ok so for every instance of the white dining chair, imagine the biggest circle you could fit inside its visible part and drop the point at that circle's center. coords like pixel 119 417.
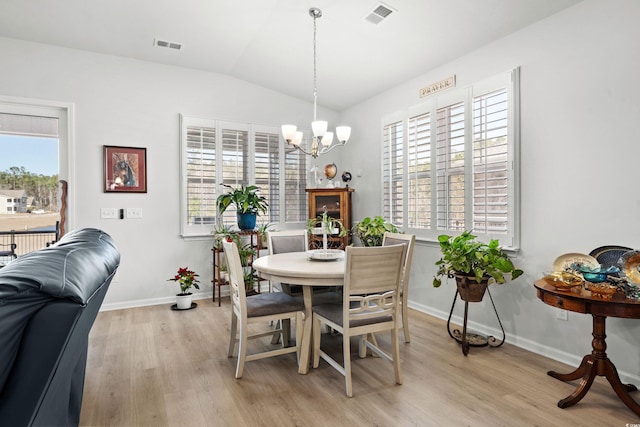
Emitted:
pixel 409 240
pixel 370 305
pixel 263 308
pixel 285 241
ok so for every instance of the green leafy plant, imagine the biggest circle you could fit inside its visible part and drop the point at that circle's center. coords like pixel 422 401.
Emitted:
pixel 463 255
pixel 221 233
pixel 371 231
pixel 246 200
pixel 327 223
pixel 186 278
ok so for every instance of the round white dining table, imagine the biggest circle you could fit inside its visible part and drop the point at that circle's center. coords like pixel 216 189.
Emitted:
pixel 297 269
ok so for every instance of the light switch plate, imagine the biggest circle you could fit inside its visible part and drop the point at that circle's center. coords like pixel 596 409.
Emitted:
pixel 108 213
pixel 134 213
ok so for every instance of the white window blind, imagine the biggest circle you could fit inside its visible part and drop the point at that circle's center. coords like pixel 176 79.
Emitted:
pixel 490 162
pixel 200 174
pixel 456 166
pixel 450 166
pixel 235 172
pixel 214 152
pixel 267 169
pixel 393 172
pixel 419 172
pixel 295 200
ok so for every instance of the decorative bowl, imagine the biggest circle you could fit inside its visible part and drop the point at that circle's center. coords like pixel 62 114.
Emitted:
pixel 563 280
pixel 596 274
pixel 602 290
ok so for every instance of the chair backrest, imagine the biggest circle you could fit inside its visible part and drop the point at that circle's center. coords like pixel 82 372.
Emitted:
pixel 285 241
pixel 409 240
pixel 236 278
pixel 372 281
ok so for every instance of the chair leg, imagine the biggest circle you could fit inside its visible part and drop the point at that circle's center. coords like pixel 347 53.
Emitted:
pixel 405 322
pixel 276 335
pixel 242 351
pixel 298 335
pixel 316 341
pixel 286 332
pixel 396 355
pixel 346 348
pixel 233 333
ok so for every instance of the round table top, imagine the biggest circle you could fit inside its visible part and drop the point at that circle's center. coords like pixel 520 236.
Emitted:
pixel 296 268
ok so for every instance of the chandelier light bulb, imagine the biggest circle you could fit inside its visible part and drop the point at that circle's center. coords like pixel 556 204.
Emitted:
pixel 289 132
pixel 343 133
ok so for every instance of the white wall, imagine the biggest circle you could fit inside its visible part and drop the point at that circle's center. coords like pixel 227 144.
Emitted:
pixel 119 101
pixel 580 152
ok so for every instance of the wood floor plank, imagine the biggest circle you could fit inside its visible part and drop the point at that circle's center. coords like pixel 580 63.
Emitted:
pixel 152 366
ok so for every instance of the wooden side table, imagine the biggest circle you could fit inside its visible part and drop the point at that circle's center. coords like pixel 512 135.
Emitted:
pixel 596 363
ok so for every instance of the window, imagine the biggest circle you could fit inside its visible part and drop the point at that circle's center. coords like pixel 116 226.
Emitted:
pixel 216 152
pixel 455 166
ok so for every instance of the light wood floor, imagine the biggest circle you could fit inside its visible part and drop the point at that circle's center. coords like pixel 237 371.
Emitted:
pixel 152 366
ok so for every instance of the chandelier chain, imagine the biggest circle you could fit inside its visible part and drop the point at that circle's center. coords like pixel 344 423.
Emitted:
pixel 315 73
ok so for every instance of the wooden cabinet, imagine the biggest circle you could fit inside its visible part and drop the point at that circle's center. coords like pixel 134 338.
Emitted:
pixel 338 204
pixel 253 238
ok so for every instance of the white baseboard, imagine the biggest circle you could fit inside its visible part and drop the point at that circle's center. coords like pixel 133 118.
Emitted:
pixel 526 344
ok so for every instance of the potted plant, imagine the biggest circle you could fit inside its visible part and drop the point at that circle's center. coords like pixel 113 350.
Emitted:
pixel 326 226
pixel 248 204
pixel 473 264
pixel 220 233
pixel 371 231
pixel 187 278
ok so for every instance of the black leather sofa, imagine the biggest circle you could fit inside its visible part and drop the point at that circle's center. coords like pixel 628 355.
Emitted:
pixel 49 300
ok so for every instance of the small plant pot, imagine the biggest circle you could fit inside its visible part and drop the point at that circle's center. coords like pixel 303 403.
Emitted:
pixel 183 302
pixel 246 221
pixel 470 290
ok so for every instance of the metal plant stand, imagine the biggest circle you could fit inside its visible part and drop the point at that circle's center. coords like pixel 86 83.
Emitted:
pixel 472 339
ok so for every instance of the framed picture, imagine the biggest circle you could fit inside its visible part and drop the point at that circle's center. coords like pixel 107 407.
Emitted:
pixel 125 169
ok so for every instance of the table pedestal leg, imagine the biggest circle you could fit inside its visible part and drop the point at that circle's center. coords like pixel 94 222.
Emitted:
pixel 305 345
pixel 596 363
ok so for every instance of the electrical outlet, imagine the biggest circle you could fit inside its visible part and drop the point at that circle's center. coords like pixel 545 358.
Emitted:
pixel 108 213
pixel 134 213
pixel 562 314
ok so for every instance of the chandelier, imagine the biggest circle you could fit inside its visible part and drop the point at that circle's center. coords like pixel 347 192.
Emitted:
pixel 321 141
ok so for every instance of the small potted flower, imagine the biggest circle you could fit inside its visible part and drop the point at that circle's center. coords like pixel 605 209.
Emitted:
pixel 187 279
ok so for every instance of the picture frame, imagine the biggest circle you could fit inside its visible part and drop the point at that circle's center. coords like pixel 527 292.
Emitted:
pixel 125 169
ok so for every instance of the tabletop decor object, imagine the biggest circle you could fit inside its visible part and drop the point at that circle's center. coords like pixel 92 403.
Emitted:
pixel 186 278
pixel 563 280
pixel 346 178
pixel 573 260
pixel 248 204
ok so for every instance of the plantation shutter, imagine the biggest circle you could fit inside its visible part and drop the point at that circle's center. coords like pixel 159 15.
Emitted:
pixel 490 162
pixel 450 166
pixel 267 169
pixel 419 171
pixel 200 174
pixel 235 141
pixel 295 183
pixel 392 172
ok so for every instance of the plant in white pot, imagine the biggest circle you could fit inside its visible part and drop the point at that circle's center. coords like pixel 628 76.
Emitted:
pixel 186 278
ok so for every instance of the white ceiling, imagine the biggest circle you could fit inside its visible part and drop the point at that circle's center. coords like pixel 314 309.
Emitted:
pixel 270 42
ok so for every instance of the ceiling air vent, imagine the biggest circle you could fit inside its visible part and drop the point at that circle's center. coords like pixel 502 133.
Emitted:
pixel 170 45
pixel 378 14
